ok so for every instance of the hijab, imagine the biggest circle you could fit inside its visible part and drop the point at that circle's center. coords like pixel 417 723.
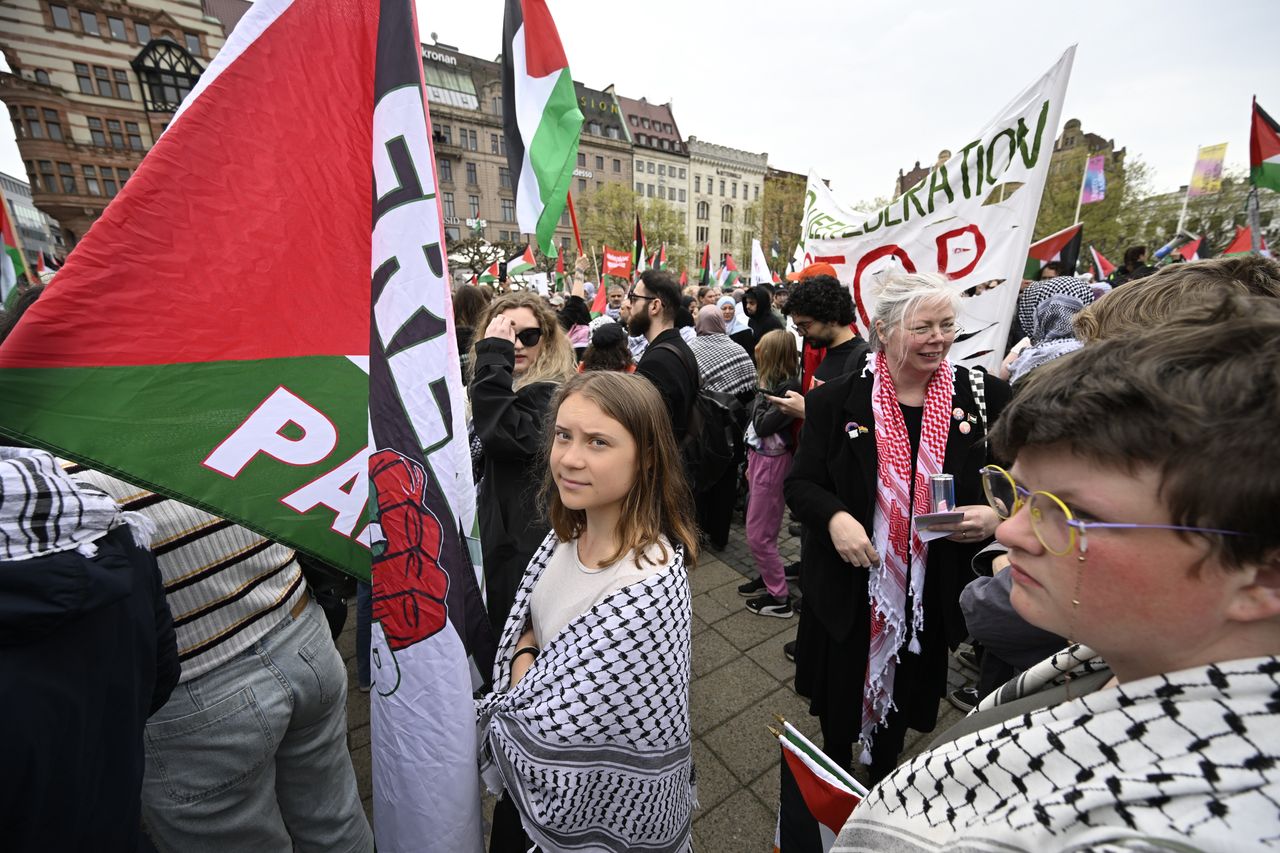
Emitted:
pixel 710 321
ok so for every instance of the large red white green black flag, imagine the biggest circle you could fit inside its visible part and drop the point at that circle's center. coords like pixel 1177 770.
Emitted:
pixel 260 324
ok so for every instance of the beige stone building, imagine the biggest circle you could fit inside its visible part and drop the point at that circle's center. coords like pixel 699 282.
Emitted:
pixel 727 186
pixel 93 84
pixel 661 155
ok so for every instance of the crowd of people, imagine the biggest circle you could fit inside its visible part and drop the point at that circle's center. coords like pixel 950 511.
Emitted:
pixel 1095 518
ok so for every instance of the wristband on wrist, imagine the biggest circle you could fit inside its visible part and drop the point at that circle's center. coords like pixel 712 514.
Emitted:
pixel 526 650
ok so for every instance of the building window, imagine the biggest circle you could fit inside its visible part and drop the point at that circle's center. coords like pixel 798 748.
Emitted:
pixel 109 182
pixel 599 162
pixel 116 27
pixel 34 130
pixel 446 170
pixel 122 85
pixel 91 180
pixel 644 122
pixel 471 174
pixel 682 198
pixel 582 160
pixel 95 131
pixel 641 138
pixel 612 132
pixel 452 234
pixel 473 140
pixel 68 176
pixel 124 175
pixel 508 210
pixel 103 78
pixel 497 106
pixel 682 173
pixel 582 185
pixel 726 213
pixel 114 133
pixel 61 19
pixel 446 134
pixel 504 177
pixel 143 31
pixel 448 205
pixel 89 23
pixel 617 165
pixel 53 124
pixel 473 202
pixel 83 78
pixel 564 217
pixel 749 216
pixel 47 178
pixel 704 211
pixel 662 170
pixel 722 188
pixel 634 121
pixel 42 76
pixel 639 188
pixel 666 145
pixel 649 167
pixel 493 143
pixel 648 190
pixel 168 75
pixel 757 198
pixel 735 189
pixel 726 236
pixel 135 135
pixel 193 43
pixel 593 128
pixel 639 165
pixel 697 183
pixel 703 232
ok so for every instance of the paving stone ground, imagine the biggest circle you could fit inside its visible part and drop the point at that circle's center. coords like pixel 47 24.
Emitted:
pixel 740 680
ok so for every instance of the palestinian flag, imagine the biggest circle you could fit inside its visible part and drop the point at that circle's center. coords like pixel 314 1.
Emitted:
pixel 1102 268
pixel 522 262
pixel 213 340
pixel 1243 242
pixel 560 276
pixel 658 260
pixel 816 798
pixel 705 279
pixel 728 273
pixel 490 274
pixel 540 116
pixel 1264 150
pixel 1190 251
pixel 12 267
pixel 1063 248
pixel 637 248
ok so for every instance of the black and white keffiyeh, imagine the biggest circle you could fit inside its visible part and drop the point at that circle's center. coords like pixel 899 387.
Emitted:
pixel 1187 761
pixel 594 744
pixel 43 511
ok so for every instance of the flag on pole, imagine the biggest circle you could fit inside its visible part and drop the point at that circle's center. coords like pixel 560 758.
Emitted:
pixel 759 266
pixel 522 262
pixel 684 277
pixel 816 796
pixel 560 276
pixel 1206 179
pixel 1095 180
pixel 659 259
pixel 728 272
pixel 1102 268
pixel 637 248
pixel 1190 251
pixel 1242 242
pixel 12 267
pixel 321 404
pixel 616 262
pixel 1062 247
pixel 1264 150
pixel 540 117
pixel 705 279
pixel 490 274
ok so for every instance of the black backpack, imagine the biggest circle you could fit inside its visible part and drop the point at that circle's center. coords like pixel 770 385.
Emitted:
pixel 713 433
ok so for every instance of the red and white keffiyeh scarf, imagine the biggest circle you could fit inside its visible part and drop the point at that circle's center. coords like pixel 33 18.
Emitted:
pixel 893 535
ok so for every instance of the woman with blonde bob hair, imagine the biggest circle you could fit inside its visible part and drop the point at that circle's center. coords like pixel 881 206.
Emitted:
pixel 882 603
pixel 517 365
pixel 587 729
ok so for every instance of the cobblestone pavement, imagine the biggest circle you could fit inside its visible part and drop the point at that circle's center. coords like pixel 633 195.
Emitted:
pixel 740 680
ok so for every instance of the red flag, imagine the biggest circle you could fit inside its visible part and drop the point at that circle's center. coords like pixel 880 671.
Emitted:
pixel 617 263
pixel 684 277
pixel 1102 267
pixel 1243 242
pixel 598 304
pixel 1191 251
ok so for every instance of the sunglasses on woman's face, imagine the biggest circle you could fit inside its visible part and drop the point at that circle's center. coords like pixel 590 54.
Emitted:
pixel 530 337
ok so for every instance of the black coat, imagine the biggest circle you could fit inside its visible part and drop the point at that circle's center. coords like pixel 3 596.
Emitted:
pixel 674 374
pixel 511 425
pixel 87 653
pixel 833 472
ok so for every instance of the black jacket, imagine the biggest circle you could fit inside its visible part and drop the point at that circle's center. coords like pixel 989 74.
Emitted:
pixel 763 320
pixel 87 653
pixel 833 472
pixel 669 373
pixel 510 425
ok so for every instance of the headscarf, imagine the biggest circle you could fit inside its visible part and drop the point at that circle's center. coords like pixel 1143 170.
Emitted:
pixel 710 321
pixel 738 323
pixel 764 320
pixel 1053 333
pixel 1039 291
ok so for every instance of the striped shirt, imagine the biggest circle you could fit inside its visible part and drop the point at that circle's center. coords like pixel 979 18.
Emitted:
pixel 226 585
pixel 723 365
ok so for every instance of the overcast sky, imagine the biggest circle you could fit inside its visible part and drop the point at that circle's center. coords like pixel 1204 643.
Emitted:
pixel 859 90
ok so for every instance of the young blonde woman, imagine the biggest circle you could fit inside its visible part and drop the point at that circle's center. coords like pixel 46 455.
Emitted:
pixel 770 446
pixel 587 729
pixel 517 365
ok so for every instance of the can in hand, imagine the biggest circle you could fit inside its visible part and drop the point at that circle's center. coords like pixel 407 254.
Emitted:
pixel 942 492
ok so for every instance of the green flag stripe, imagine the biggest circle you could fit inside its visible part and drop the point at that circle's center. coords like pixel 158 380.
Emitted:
pixel 553 153
pixel 158 423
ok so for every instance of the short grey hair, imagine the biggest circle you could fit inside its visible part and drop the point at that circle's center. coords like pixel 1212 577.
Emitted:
pixel 901 295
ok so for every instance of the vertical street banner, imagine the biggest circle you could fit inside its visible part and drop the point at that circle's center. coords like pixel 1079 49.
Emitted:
pixel 260 325
pixel 971 219
pixel 1095 180
pixel 1206 178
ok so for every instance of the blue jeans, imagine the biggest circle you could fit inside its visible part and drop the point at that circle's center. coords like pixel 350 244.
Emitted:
pixel 253 755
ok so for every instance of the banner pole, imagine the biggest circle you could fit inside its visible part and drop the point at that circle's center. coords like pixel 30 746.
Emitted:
pixel 1182 217
pixel 1080 195
pixel 573 217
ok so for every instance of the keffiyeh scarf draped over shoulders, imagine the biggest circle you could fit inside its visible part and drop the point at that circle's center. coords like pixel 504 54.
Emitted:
pixel 1053 335
pixel 594 744
pixel 1184 761
pixel 43 511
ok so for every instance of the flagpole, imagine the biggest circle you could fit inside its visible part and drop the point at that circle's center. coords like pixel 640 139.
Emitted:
pixel 1255 225
pixel 1080 195
pixel 573 217
pixel 1182 217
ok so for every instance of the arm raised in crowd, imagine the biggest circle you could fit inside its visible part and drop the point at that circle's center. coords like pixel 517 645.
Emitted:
pixel 509 423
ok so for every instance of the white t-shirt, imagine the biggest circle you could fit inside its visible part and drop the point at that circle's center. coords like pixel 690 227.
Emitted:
pixel 567 588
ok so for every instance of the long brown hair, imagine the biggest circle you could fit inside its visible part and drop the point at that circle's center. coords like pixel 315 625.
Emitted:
pixel 776 358
pixel 659 502
pixel 556 361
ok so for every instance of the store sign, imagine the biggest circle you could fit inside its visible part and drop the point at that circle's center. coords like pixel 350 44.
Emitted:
pixel 583 173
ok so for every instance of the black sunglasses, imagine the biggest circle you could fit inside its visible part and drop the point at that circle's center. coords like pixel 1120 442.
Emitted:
pixel 530 337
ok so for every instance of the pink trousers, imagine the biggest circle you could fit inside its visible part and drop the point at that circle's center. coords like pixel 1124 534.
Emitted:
pixel 765 475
